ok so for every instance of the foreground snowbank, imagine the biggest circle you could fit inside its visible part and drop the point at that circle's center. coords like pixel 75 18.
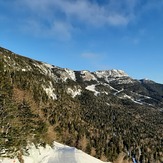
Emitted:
pixel 58 154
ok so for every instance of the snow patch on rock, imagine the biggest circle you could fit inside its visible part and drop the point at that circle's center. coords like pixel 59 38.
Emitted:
pixel 43 69
pixel 111 73
pixel 74 92
pixel 132 99
pixel 50 91
pixel 24 70
pixel 92 89
pixel 48 65
pixel 88 76
pixel 71 74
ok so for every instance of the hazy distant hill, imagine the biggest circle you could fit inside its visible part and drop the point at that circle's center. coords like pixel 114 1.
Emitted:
pixel 103 113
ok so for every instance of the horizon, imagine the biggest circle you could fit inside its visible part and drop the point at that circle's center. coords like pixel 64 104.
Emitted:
pixel 87 35
pixel 81 69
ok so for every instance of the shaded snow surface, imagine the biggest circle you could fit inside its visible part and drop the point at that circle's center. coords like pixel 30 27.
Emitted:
pixel 58 154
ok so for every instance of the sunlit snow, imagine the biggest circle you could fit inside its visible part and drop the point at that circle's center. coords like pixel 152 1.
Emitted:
pixel 58 154
pixel 88 76
pixel 74 92
pixel 71 74
pixel 50 91
pixel 92 89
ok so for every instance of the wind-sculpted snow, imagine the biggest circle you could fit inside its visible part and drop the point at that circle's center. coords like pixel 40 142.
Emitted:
pixel 58 154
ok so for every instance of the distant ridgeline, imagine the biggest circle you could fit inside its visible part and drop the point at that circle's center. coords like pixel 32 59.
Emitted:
pixel 103 113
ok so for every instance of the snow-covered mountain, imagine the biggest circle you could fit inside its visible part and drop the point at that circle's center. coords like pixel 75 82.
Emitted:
pixel 103 113
pixel 59 153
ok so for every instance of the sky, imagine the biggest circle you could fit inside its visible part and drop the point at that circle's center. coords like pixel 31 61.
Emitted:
pixel 87 34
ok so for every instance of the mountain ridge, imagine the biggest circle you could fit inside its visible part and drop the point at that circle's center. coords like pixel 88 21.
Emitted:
pixel 110 72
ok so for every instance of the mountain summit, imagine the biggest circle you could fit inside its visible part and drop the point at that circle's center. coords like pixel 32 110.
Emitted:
pixel 103 113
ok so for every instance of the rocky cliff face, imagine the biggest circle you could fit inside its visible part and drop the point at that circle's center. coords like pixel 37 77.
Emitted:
pixel 104 113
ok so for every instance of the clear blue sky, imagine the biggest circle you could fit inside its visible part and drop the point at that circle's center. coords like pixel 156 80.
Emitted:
pixel 87 34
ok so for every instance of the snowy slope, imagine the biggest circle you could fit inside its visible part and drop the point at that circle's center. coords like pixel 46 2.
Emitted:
pixel 58 154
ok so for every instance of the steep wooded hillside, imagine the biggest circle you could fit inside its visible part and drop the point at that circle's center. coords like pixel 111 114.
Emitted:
pixel 103 113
